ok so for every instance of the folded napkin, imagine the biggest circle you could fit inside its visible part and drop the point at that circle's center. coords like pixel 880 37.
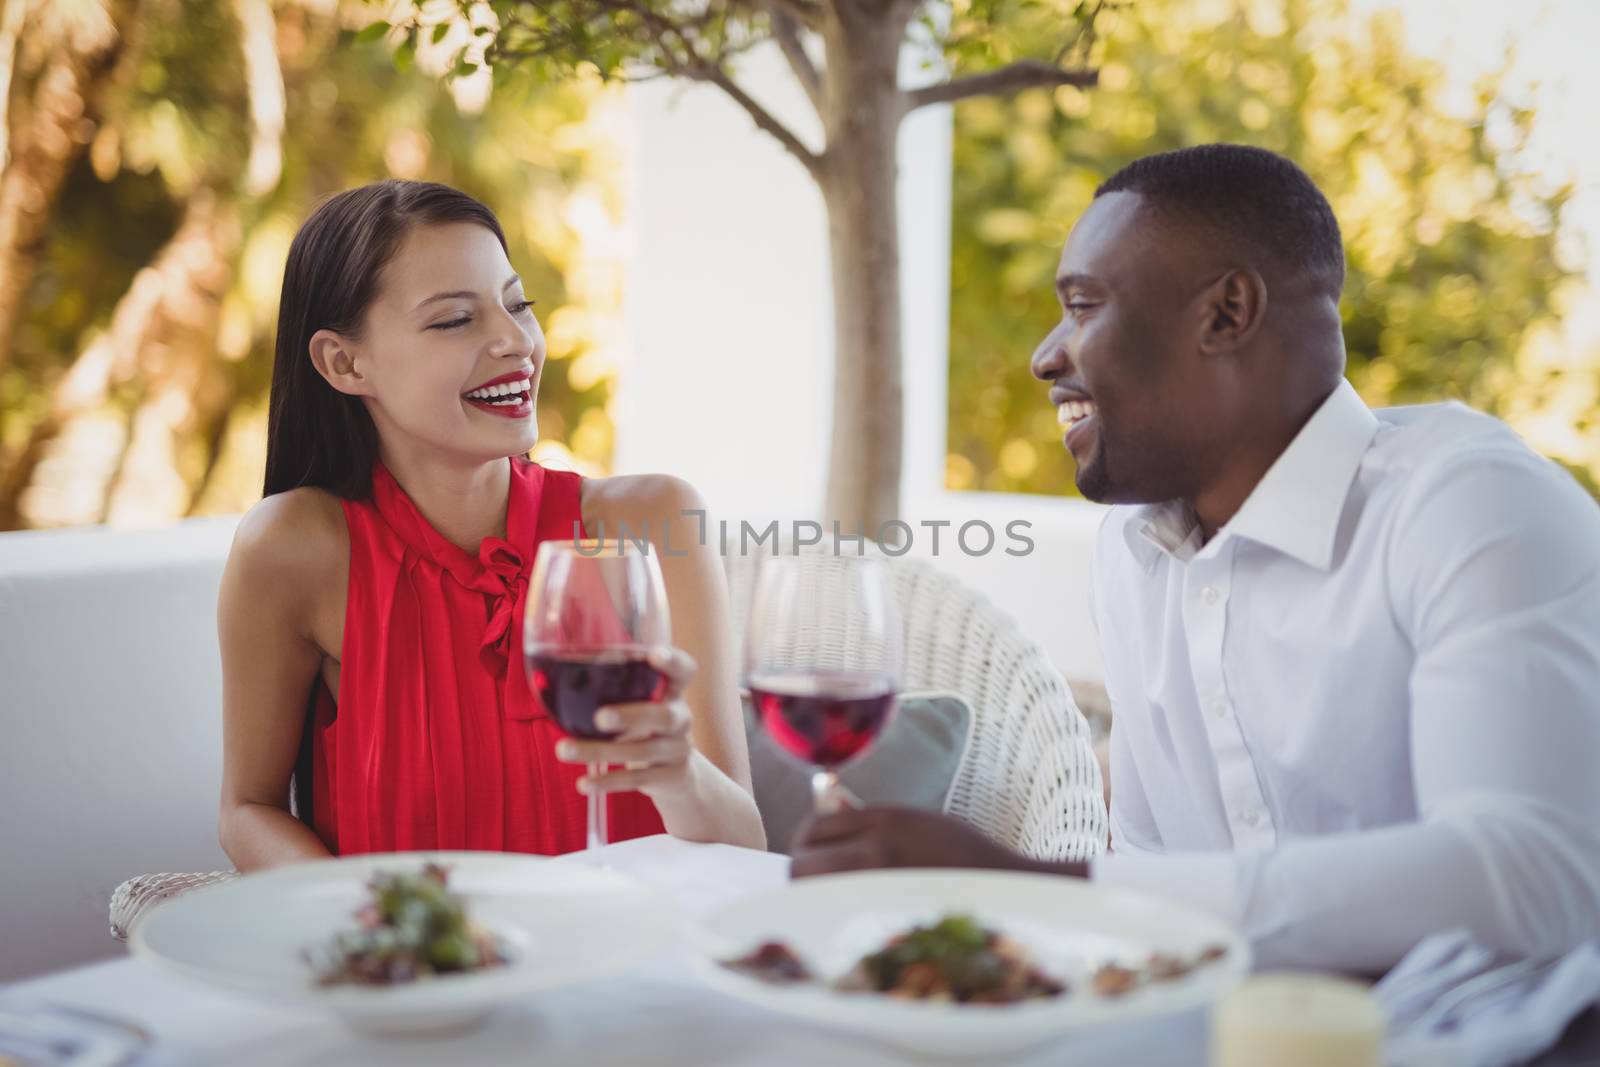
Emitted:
pixel 1454 1003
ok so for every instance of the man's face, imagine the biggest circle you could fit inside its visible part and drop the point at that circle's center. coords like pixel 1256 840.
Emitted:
pixel 1123 364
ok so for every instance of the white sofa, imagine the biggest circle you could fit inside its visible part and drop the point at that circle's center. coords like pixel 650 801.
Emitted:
pixel 111 759
pixel 109 696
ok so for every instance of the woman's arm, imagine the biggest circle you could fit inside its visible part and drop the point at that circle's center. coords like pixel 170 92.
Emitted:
pixel 284 552
pixel 702 790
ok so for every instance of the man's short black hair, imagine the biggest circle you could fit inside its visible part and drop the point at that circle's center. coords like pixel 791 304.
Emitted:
pixel 1249 195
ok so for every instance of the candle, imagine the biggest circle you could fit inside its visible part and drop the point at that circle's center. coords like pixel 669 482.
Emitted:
pixel 1303 1020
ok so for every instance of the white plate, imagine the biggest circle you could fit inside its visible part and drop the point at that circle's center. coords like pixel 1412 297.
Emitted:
pixel 567 921
pixel 1069 927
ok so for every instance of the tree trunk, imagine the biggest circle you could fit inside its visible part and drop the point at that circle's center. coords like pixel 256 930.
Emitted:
pixel 47 133
pixel 862 109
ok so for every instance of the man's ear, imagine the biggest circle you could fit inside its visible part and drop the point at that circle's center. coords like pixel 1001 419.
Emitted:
pixel 1233 309
pixel 332 356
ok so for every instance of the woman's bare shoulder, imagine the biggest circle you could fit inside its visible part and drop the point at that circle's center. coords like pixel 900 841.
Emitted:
pixel 634 497
pixel 297 536
pixel 659 508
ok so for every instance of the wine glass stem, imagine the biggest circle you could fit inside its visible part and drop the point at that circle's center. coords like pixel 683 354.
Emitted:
pixel 598 836
pixel 825 791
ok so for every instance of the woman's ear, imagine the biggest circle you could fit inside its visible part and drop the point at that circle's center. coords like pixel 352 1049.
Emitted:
pixel 331 354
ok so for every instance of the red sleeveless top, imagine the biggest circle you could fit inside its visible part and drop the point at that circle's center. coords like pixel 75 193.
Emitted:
pixel 436 741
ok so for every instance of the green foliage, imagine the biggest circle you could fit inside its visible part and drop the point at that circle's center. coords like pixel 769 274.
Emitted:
pixel 1451 251
pixel 620 38
pixel 552 41
pixel 181 116
pixel 982 34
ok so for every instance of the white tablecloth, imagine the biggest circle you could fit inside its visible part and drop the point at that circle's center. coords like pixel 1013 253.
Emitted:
pixel 656 1014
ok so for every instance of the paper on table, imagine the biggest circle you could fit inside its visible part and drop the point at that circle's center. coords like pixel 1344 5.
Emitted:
pixel 39 1034
pixel 1452 1003
pixel 699 878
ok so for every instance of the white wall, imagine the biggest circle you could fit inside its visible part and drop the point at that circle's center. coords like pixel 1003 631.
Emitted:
pixel 728 378
pixel 729 367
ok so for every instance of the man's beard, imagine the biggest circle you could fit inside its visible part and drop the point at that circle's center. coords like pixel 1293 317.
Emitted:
pixel 1094 483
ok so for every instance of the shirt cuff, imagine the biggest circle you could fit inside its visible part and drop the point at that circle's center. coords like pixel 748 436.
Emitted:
pixel 1207 881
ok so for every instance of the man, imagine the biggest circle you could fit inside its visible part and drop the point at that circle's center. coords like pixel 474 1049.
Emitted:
pixel 1353 656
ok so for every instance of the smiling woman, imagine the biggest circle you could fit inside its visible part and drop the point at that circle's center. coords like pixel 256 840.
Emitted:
pixel 372 600
pixel 399 352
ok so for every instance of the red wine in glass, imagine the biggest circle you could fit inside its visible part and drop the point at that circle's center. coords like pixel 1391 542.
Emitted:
pixel 825 719
pixel 573 685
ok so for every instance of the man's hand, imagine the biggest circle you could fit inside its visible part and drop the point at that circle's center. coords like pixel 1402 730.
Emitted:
pixel 903 837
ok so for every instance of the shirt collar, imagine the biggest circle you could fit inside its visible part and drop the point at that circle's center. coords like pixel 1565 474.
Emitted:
pixel 1295 508
pixel 1169 528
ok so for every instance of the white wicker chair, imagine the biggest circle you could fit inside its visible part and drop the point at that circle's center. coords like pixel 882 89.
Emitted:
pixel 1029 778
pixel 131 899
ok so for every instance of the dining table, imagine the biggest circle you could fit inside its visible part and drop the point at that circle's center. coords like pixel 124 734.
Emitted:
pixel 657 1014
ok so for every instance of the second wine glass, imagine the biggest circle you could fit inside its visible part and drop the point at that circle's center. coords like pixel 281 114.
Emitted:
pixel 823 661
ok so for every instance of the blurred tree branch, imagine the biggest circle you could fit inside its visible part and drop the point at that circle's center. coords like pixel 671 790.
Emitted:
pixel 786 29
pixel 1027 74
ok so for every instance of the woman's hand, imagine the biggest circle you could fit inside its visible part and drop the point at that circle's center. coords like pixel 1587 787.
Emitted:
pixel 652 741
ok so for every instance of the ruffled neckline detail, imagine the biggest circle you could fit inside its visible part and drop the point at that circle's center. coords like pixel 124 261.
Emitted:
pixel 501 566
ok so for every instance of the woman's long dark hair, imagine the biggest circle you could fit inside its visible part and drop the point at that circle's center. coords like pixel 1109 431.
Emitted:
pixel 317 435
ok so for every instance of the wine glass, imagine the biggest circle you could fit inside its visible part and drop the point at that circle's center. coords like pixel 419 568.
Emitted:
pixel 596 610
pixel 823 713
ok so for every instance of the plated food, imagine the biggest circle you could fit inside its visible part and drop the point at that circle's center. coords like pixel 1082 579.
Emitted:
pixel 1080 957
pixel 953 959
pixel 412 927
pixel 958 959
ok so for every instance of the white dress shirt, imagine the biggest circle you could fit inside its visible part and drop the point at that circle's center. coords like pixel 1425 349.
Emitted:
pixel 1368 709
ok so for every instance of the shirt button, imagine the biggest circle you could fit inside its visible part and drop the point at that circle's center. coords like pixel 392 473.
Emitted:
pixel 1209 594
pixel 1219 708
pixel 1251 817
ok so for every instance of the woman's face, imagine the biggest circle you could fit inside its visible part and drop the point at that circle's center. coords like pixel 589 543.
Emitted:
pixel 451 353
